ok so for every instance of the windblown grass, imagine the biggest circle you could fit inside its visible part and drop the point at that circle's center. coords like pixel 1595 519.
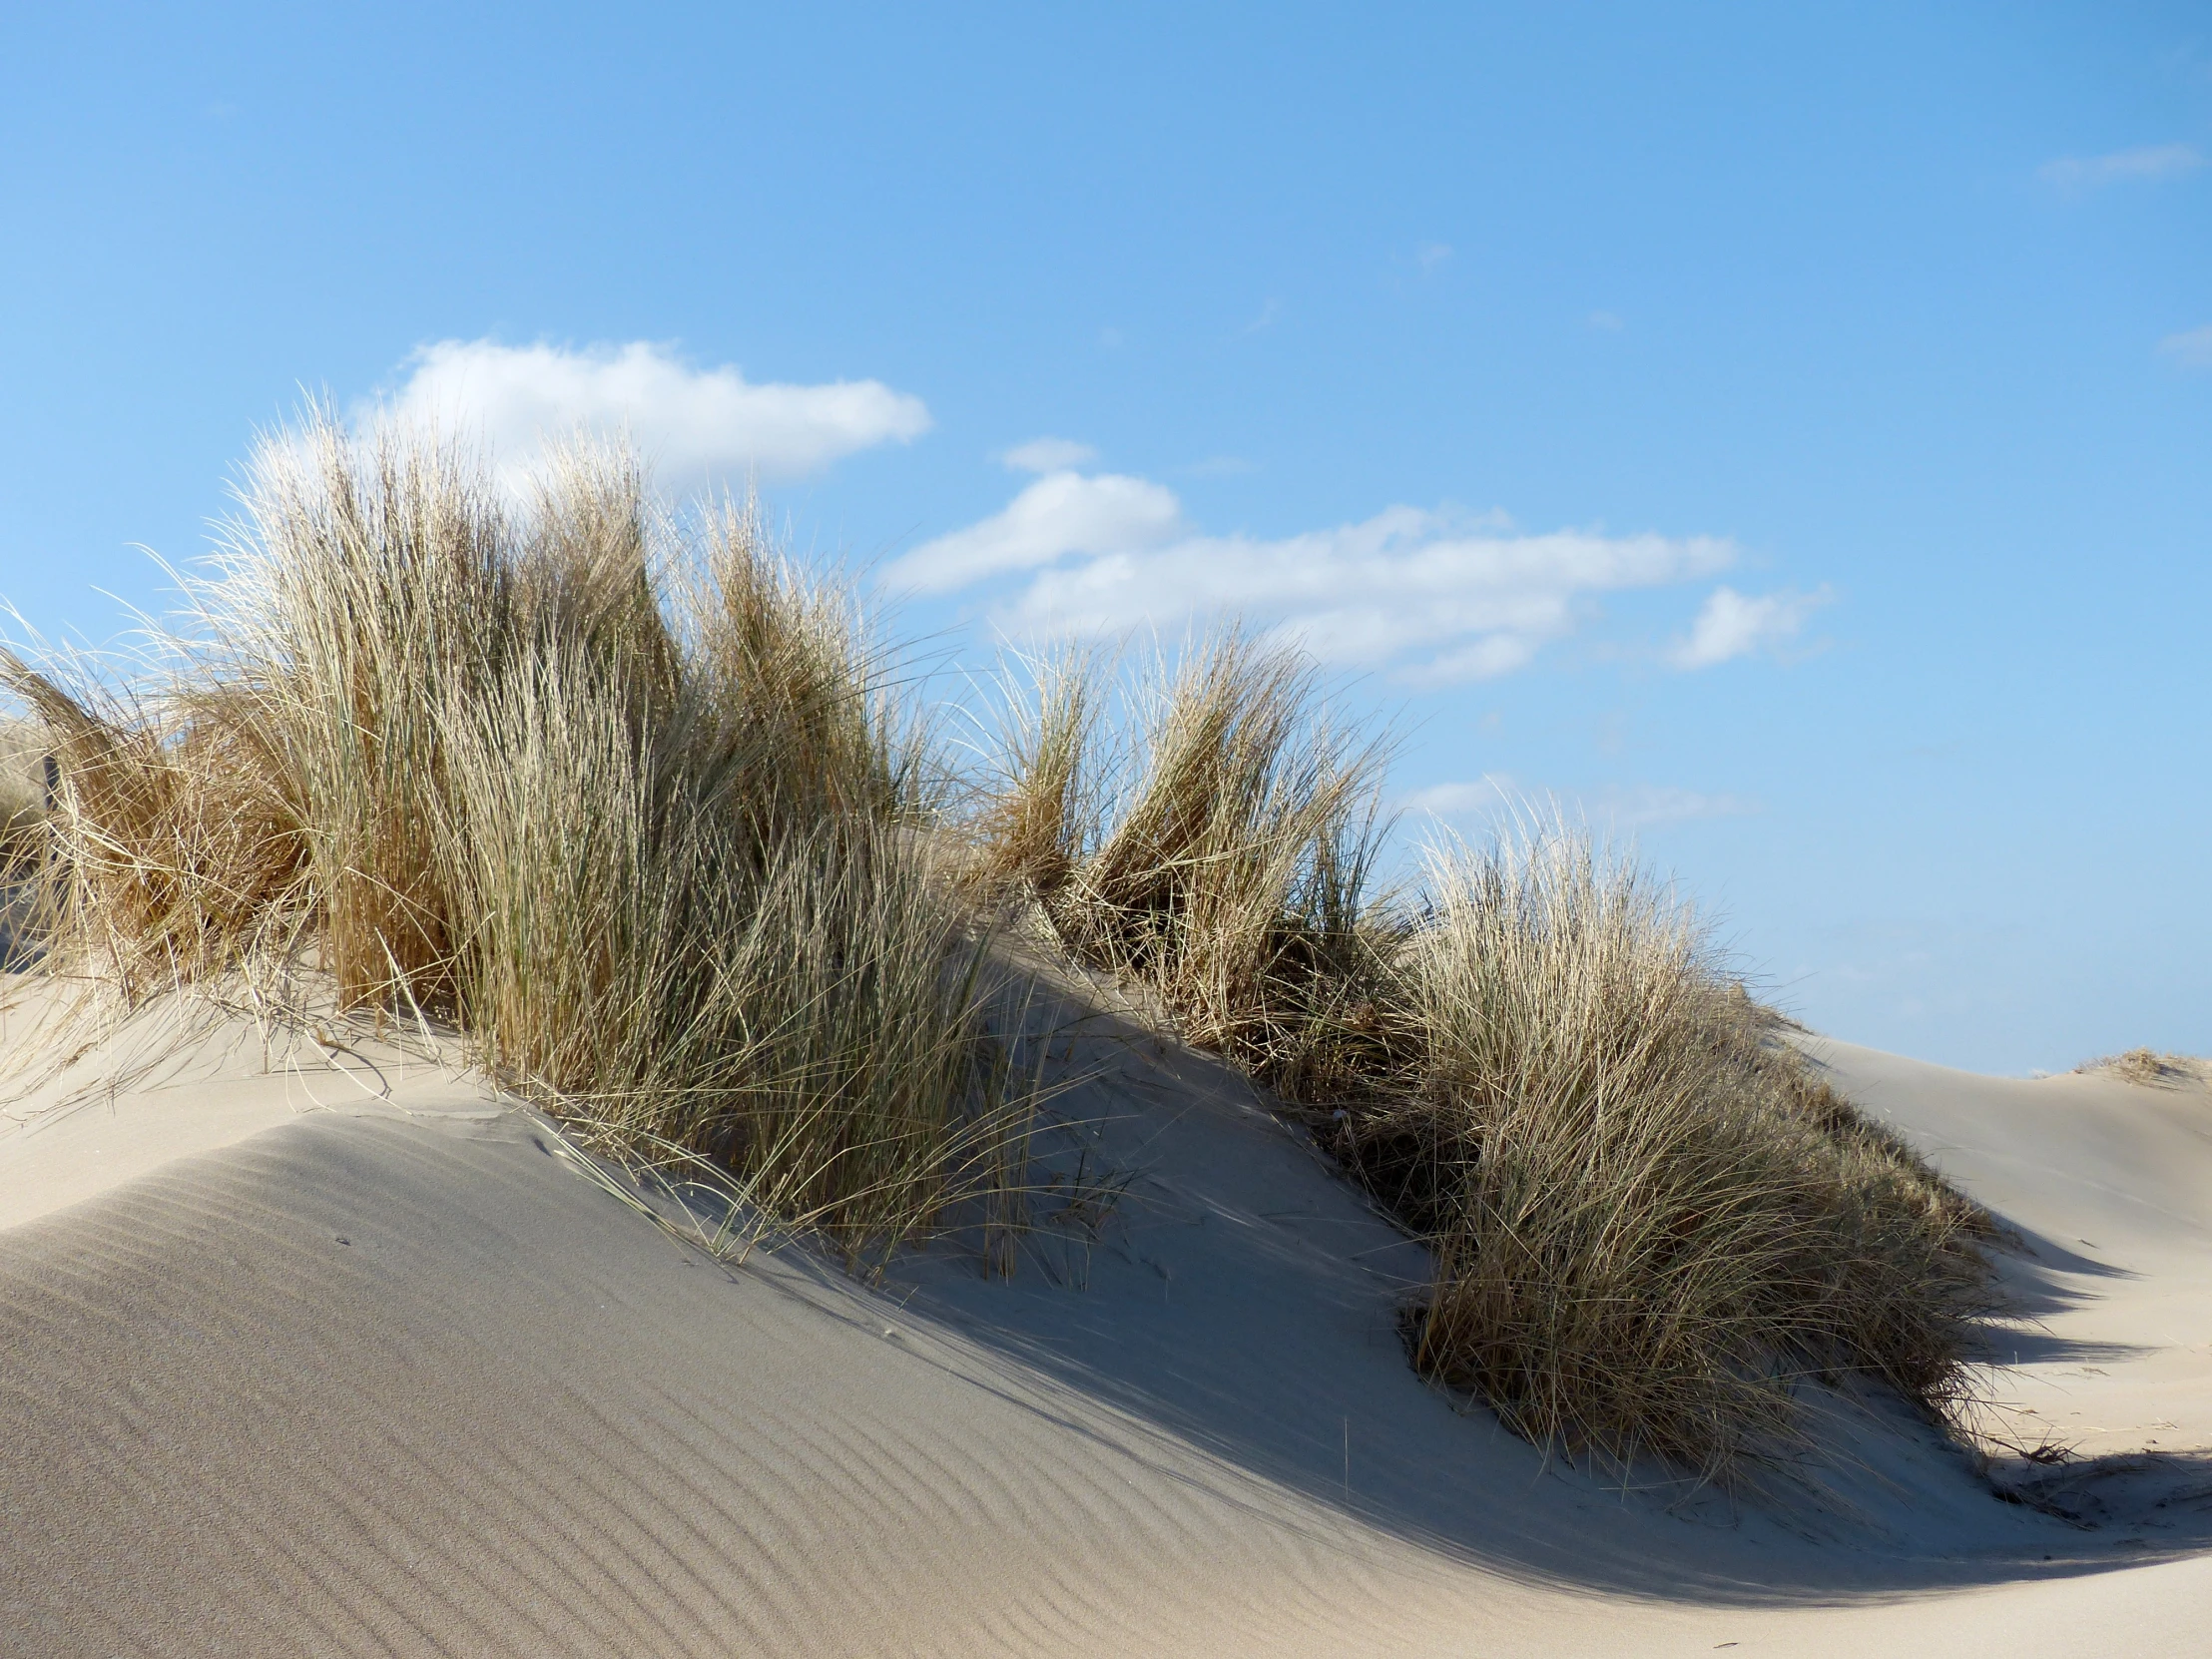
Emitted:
pixel 1211 833
pixel 655 845
pixel 1650 1220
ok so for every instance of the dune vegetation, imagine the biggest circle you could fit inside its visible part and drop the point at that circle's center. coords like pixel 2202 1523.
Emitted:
pixel 2150 1068
pixel 642 809
pixel 642 822
pixel 1650 1219
pixel 1203 828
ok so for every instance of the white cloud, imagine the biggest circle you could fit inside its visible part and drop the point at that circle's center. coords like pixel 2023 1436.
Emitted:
pixel 1433 256
pixel 1441 600
pixel 1491 657
pixel 2192 347
pixel 1640 806
pixel 2155 161
pixel 694 426
pixel 1061 514
pixel 1438 597
pixel 1047 455
pixel 1606 323
pixel 1733 625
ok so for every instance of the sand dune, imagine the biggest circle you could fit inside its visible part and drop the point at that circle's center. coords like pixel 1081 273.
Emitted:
pixel 345 1357
pixel 2109 1185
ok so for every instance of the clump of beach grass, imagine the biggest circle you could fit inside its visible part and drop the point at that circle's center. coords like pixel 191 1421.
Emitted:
pixel 642 815
pixel 23 803
pixel 1651 1220
pixel 1203 828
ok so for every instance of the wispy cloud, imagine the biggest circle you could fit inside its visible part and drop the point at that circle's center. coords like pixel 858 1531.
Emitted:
pixel 2154 161
pixel 1270 313
pixel 1605 322
pixel 1487 796
pixel 1498 796
pixel 1644 806
pixel 1436 598
pixel 1048 456
pixel 694 425
pixel 2192 347
pixel 1731 625
pixel 1433 256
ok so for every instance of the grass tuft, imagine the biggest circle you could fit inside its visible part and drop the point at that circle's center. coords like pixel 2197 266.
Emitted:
pixel 1651 1220
pixel 646 821
pixel 22 795
pixel 1211 835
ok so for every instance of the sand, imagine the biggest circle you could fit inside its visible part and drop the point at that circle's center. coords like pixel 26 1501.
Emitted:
pixel 307 1352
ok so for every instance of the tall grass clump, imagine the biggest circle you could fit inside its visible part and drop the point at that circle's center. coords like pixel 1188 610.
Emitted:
pixel 1209 833
pixel 1651 1222
pixel 644 819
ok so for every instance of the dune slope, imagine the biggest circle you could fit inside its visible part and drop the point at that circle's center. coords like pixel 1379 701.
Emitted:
pixel 347 1359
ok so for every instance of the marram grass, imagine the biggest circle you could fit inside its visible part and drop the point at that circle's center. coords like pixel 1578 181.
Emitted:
pixel 1650 1221
pixel 643 822
pixel 641 812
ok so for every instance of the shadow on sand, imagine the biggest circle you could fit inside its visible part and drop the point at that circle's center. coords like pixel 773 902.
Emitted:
pixel 1243 1300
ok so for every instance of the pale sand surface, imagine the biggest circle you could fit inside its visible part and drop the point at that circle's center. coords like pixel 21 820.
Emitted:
pixel 346 1358
pixel 2109 1185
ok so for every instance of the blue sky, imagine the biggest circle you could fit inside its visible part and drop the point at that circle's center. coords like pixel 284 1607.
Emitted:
pixel 1483 346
